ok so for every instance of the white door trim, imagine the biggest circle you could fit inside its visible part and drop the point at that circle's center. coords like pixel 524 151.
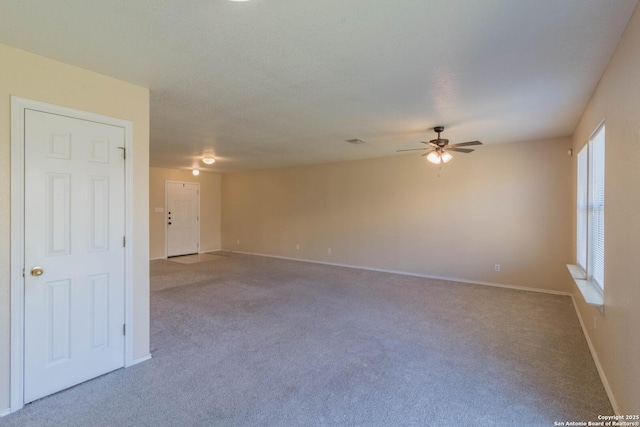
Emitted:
pixel 18 107
pixel 166 210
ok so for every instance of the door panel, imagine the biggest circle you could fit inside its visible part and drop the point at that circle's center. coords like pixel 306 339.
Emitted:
pixel 59 321
pixel 74 228
pixel 182 218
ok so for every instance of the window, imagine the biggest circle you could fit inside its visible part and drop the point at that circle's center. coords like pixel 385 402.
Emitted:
pixel 590 209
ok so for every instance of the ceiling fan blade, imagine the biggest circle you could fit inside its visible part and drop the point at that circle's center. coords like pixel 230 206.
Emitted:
pixel 459 150
pixel 466 144
pixel 413 149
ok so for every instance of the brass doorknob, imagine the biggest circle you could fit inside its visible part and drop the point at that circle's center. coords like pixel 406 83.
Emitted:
pixel 37 271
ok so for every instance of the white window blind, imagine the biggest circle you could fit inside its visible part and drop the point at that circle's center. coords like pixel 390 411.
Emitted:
pixel 582 210
pixel 590 209
pixel 595 220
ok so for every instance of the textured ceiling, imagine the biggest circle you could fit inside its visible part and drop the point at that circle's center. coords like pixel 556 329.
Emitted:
pixel 272 83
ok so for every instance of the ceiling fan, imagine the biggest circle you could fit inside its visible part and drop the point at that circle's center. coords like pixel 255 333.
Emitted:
pixel 440 147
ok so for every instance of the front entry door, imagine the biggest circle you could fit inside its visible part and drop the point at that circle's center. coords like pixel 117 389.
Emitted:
pixel 74 255
pixel 183 232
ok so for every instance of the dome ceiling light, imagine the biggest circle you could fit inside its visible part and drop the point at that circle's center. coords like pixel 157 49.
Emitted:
pixel 208 160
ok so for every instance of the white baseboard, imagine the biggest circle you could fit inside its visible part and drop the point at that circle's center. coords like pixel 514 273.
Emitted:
pixel 596 360
pixel 140 360
pixel 408 273
pixel 209 250
pixel 200 252
pixel 5 412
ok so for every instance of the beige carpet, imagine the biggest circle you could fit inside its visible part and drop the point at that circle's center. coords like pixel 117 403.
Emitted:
pixel 253 341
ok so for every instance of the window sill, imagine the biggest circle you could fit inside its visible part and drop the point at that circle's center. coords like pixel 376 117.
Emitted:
pixel 589 290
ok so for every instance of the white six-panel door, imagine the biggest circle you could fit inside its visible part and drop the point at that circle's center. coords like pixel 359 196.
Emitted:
pixel 74 228
pixel 182 218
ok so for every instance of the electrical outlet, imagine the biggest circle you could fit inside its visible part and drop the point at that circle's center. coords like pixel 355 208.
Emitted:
pixel 496 267
pixel 329 251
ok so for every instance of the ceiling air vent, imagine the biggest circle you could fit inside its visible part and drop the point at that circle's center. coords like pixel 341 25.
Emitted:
pixel 356 141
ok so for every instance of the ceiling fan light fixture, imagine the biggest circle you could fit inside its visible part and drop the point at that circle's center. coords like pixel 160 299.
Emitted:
pixel 446 156
pixel 208 160
pixel 434 157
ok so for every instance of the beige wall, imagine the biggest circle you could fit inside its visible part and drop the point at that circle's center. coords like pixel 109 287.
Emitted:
pixel 210 190
pixel 34 77
pixel 508 204
pixel 615 334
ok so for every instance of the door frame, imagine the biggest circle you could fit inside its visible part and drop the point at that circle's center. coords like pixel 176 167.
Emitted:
pixel 18 107
pixel 166 210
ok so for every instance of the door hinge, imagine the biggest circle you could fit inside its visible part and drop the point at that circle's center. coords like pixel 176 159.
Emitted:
pixel 124 241
pixel 23 272
pixel 124 152
pixel 124 329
